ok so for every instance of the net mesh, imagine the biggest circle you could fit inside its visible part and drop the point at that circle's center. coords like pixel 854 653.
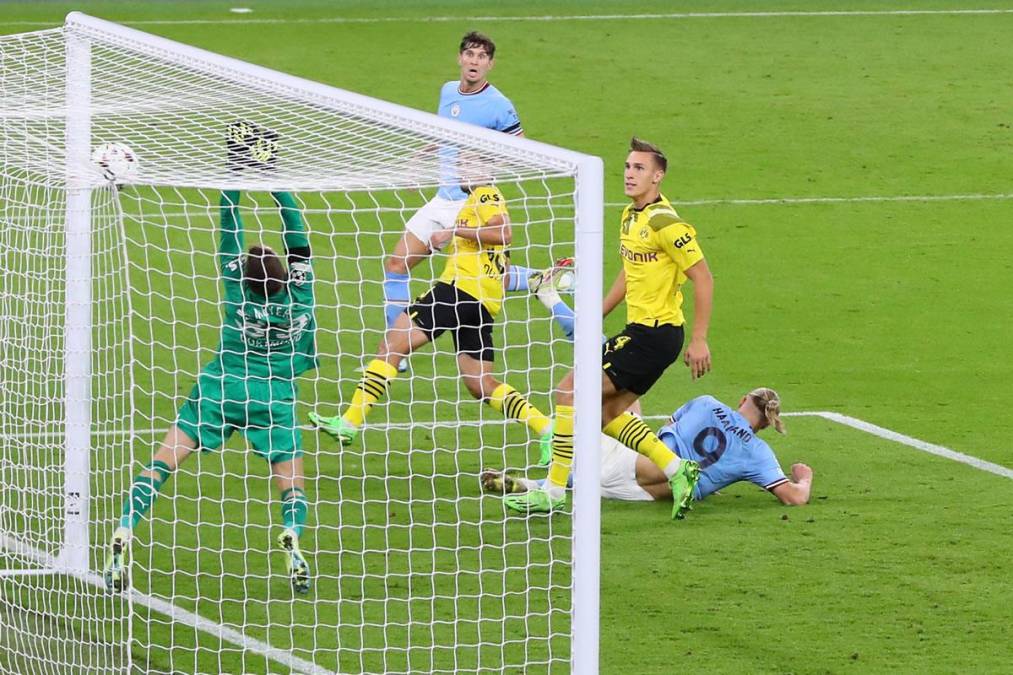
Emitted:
pixel 413 569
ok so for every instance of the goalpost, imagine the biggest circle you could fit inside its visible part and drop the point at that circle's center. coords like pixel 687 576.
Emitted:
pixel 111 302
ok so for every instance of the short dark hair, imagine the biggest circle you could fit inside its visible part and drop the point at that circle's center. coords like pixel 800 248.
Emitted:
pixel 640 145
pixel 476 39
pixel 264 273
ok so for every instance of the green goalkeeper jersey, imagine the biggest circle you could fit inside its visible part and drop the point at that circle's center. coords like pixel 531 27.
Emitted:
pixel 276 338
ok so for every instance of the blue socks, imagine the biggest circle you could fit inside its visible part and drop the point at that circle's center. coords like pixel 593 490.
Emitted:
pixel 564 318
pixel 395 295
pixel 517 277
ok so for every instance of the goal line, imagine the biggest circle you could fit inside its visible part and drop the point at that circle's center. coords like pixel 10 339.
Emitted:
pixel 174 612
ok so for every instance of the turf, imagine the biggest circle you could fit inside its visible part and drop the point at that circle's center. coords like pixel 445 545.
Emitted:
pixel 895 312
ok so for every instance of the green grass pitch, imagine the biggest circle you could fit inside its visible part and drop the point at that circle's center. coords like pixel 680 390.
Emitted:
pixel 896 312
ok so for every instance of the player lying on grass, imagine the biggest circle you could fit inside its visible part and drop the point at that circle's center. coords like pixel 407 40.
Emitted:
pixel 464 301
pixel 267 340
pixel 471 99
pixel 659 252
pixel 721 439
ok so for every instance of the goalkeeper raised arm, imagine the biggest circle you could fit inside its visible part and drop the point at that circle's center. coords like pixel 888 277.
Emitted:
pixel 267 340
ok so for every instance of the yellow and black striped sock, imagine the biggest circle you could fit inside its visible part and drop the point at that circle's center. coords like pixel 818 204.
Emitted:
pixel 511 403
pixel 371 389
pixel 562 446
pixel 631 431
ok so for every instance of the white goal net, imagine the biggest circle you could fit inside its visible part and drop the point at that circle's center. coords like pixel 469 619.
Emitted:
pixel 112 302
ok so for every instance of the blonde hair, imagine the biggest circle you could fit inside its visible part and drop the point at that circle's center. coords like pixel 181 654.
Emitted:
pixel 768 403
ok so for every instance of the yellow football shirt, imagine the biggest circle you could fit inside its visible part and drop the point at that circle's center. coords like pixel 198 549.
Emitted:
pixel 474 268
pixel 657 247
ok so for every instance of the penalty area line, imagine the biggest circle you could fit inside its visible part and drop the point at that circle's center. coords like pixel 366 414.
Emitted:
pixel 896 437
pixel 872 199
pixel 910 441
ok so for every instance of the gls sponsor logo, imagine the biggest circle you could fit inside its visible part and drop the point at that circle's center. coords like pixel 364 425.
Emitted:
pixel 494 197
pixel 683 240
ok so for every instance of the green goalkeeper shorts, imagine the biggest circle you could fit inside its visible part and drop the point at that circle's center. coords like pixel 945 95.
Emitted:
pixel 263 410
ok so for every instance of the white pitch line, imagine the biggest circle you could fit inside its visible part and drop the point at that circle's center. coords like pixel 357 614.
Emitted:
pixel 853 422
pixel 177 614
pixel 220 631
pixel 924 446
pixel 557 17
pixel 834 200
pixel 896 437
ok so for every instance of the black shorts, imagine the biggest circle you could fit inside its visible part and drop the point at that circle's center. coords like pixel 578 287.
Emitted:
pixel 445 307
pixel 635 358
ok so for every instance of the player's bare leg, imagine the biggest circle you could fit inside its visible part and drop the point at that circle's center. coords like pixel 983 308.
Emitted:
pixel 477 376
pixel 399 341
pixel 408 252
pixel 480 382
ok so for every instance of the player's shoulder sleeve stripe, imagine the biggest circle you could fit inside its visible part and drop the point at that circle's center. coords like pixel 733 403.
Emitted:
pixel 773 485
pixel 514 129
pixel 662 218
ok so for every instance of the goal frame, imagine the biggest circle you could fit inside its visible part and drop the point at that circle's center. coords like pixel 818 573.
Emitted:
pixel 74 555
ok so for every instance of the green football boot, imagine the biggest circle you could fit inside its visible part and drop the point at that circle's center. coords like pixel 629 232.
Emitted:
pixel 545 445
pixel 336 427
pixel 682 483
pixel 295 563
pixel 535 501
pixel 115 570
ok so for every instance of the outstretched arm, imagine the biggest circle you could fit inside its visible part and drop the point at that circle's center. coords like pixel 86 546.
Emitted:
pixel 796 492
pixel 230 242
pixel 297 244
pixel 230 246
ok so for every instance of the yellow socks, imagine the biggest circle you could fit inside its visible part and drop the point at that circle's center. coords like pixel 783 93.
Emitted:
pixel 562 446
pixel 512 404
pixel 371 389
pixel 631 431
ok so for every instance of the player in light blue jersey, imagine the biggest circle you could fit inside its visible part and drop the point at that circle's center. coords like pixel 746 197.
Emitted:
pixel 720 438
pixel 471 99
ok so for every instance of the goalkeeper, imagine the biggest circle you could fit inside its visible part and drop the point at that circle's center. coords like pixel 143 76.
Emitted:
pixel 464 301
pixel 267 340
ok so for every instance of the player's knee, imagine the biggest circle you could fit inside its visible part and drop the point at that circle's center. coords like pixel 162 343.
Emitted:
pixel 395 264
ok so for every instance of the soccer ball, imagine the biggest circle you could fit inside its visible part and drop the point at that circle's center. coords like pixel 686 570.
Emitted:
pixel 566 281
pixel 117 162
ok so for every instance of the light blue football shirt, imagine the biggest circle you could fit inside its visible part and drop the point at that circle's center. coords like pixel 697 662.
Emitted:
pixel 721 440
pixel 487 108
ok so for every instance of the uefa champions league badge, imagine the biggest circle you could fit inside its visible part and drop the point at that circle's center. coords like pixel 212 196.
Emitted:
pixel 455 110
